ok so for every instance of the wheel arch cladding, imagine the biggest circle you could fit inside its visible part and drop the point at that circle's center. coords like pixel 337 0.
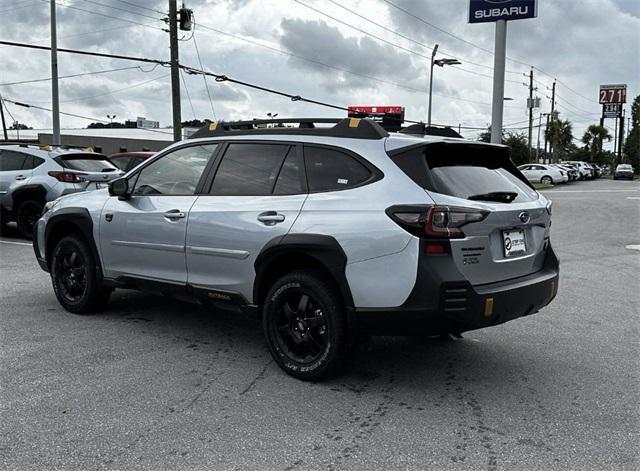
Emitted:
pixel 68 221
pixel 29 192
pixel 292 252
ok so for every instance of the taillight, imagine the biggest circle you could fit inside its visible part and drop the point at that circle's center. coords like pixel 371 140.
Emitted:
pixel 447 221
pixel 67 177
pixel 443 222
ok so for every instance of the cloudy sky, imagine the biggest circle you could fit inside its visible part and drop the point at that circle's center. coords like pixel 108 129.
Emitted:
pixel 344 53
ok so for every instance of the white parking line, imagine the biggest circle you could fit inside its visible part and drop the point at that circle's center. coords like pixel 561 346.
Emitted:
pixel 633 197
pixel 633 247
pixel 15 243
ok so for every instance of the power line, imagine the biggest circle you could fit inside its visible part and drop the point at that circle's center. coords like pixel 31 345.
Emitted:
pixel 106 16
pixel 339 69
pixel 466 61
pixel 111 92
pixel 204 78
pixel 186 89
pixel 73 75
pixel 398 46
pixel 141 7
pixel 124 10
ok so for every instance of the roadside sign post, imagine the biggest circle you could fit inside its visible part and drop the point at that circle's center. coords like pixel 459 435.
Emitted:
pixel 612 97
pixel 499 12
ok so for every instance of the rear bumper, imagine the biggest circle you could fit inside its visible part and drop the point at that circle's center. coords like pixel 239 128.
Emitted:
pixel 456 306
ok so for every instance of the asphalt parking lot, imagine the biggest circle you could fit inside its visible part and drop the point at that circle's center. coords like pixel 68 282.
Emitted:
pixel 158 384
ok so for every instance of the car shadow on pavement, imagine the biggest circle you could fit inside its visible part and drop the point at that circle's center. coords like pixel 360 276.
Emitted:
pixel 420 363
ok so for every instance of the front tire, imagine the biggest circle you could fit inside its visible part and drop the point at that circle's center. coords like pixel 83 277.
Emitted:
pixel 74 274
pixel 546 180
pixel 304 323
pixel 27 215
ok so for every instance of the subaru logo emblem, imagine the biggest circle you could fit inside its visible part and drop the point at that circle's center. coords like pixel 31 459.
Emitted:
pixel 524 217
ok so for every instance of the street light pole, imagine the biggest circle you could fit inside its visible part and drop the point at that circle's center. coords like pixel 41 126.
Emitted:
pixel 55 99
pixel 433 56
pixel 498 81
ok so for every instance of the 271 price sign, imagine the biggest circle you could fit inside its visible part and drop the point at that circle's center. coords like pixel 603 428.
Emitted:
pixel 613 93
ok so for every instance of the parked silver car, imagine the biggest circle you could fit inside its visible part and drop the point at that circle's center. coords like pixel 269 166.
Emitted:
pixel 30 176
pixel 326 233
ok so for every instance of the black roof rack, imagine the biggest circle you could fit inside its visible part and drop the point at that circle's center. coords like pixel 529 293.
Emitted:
pixel 354 128
pixel 422 129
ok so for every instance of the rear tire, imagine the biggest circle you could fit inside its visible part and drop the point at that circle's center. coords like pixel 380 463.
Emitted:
pixel 304 323
pixel 27 215
pixel 546 180
pixel 74 274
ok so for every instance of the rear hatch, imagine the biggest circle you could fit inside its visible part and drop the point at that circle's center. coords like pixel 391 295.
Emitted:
pixel 509 221
pixel 91 170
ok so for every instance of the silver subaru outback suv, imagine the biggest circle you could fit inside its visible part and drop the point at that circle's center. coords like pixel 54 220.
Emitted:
pixel 329 234
pixel 31 176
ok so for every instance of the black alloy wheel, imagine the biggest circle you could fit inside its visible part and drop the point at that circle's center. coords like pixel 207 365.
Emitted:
pixel 28 214
pixel 71 272
pixel 76 278
pixel 301 326
pixel 304 322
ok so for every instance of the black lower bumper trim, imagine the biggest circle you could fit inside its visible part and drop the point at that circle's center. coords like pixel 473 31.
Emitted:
pixel 462 307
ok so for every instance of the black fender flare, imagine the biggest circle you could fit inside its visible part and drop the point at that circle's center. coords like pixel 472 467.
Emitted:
pixel 80 219
pixel 29 192
pixel 324 249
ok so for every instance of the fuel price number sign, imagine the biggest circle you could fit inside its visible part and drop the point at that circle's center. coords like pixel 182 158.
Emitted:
pixel 613 94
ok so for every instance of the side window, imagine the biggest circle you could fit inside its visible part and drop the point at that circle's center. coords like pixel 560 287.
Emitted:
pixel 329 169
pixel 32 162
pixel 289 180
pixel 134 162
pixel 249 169
pixel 176 173
pixel 120 162
pixel 10 160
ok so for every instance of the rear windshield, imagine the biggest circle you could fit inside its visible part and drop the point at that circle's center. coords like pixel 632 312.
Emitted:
pixel 468 171
pixel 86 162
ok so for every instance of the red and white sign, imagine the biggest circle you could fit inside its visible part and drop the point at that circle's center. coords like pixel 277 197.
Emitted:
pixel 613 93
pixel 380 111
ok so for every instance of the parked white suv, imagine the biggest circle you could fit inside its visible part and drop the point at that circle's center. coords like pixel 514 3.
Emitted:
pixel 328 233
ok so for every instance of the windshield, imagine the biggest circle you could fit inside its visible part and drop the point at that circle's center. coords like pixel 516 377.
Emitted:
pixel 86 162
pixel 468 171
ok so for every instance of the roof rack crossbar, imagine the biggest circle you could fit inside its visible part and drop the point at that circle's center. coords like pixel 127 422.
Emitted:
pixel 354 128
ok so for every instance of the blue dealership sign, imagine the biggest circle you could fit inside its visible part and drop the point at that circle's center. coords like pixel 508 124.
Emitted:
pixel 483 11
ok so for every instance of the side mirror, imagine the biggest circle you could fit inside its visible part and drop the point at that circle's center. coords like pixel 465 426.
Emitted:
pixel 120 188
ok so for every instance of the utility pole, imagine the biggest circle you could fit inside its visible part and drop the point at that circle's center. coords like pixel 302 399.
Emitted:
pixel 433 56
pixel 530 113
pixel 499 60
pixel 621 137
pixel 55 99
pixel 175 71
pixel 538 145
pixel 4 124
pixel 550 118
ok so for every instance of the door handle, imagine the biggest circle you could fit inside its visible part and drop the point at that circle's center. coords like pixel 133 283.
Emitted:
pixel 174 214
pixel 270 218
pixel 20 177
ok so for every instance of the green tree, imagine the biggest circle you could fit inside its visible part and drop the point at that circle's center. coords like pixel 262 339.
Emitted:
pixel 517 142
pixel 593 140
pixel 559 134
pixel 632 145
pixel 19 126
pixel 519 146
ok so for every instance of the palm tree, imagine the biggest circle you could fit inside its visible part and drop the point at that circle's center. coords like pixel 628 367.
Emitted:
pixel 559 134
pixel 594 137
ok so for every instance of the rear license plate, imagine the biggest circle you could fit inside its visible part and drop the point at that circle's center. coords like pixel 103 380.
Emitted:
pixel 514 243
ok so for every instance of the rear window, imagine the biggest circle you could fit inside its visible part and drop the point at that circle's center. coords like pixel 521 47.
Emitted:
pixel 467 171
pixel 86 162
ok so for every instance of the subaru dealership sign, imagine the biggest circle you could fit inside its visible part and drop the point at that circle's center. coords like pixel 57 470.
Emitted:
pixel 483 11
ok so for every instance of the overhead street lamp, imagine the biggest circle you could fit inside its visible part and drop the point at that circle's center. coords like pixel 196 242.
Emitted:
pixel 111 118
pixel 439 63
